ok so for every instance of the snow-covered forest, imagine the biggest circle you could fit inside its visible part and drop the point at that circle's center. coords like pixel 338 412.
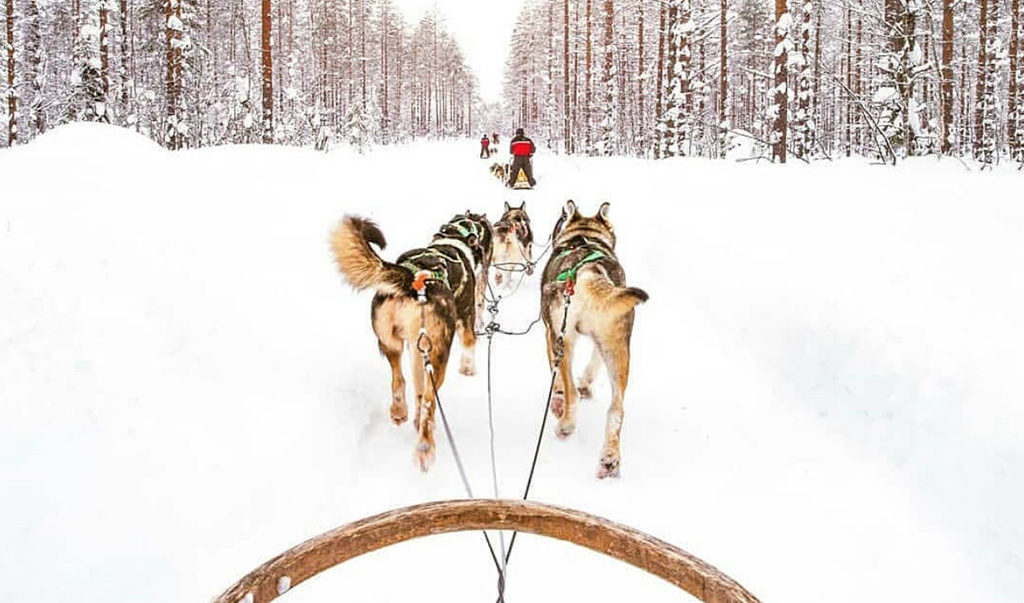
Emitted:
pixel 810 79
pixel 193 73
pixel 653 78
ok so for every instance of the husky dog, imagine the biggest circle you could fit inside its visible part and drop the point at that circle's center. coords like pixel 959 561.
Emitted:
pixel 500 171
pixel 438 288
pixel 513 243
pixel 583 266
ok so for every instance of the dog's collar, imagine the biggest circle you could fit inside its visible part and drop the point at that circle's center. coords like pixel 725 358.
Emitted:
pixel 578 242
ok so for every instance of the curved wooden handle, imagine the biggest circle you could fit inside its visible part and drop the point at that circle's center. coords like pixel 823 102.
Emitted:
pixel 620 542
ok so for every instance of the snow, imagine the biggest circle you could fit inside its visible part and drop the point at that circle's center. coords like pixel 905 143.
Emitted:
pixel 824 402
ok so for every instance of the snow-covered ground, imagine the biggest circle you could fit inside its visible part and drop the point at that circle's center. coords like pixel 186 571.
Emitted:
pixel 826 397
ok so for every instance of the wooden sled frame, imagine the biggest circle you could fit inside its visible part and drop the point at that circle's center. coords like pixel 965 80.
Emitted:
pixel 650 554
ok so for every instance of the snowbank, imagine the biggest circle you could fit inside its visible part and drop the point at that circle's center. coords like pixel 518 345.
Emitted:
pixel 825 397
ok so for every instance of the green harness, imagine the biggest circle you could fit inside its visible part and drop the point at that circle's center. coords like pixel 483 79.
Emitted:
pixel 473 231
pixel 438 275
pixel 570 274
pixel 441 275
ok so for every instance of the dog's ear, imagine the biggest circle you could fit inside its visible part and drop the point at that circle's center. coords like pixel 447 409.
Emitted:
pixel 603 212
pixel 508 207
pixel 570 209
pixel 522 206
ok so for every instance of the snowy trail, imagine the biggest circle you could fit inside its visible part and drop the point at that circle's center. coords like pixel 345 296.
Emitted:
pixel 824 400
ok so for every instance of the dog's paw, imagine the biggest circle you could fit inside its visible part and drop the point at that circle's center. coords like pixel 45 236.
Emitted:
pixel 467 369
pixel 585 391
pixel 399 414
pixel 558 404
pixel 609 466
pixel 564 429
pixel 424 455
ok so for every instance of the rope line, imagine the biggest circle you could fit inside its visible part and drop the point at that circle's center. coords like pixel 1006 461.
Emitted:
pixel 425 345
pixel 559 355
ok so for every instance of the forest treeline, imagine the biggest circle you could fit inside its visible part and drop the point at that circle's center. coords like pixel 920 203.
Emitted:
pixel 782 79
pixel 806 79
pixel 193 73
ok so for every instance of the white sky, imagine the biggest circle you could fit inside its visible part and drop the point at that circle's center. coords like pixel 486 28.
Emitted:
pixel 483 29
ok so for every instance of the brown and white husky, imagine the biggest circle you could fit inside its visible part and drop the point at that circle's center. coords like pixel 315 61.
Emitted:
pixel 451 273
pixel 513 244
pixel 584 266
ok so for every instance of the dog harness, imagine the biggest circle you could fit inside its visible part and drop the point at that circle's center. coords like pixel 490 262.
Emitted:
pixel 568 276
pixel 465 227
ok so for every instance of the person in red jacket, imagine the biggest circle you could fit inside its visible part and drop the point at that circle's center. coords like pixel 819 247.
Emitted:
pixel 522 149
pixel 485 147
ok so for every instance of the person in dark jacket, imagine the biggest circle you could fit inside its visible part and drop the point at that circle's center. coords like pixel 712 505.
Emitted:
pixel 485 146
pixel 522 149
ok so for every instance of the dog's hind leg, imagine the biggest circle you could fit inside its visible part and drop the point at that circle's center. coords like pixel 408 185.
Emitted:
pixel 399 409
pixel 614 345
pixel 590 373
pixel 418 385
pixel 567 421
pixel 557 389
pixel 425 447
pixel 480 297
pixel 467 365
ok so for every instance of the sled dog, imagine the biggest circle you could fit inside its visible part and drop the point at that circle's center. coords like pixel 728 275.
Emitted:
pixel 513 243
pixel 584 267
pixel 438 288
pixel 499 171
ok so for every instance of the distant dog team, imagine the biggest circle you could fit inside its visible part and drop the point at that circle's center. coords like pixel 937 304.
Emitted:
pixel 439 290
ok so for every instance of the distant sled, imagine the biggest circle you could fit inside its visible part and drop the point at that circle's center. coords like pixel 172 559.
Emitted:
pixel 522 183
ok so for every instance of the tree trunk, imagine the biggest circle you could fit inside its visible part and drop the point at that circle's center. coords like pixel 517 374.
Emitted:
pixel 33 71
pixel 266 51
pixel 105 57
pixel 1013 112
pixel 172 28
pixel 979 112
pixel 660 79
pixel 946 75
pixel 607 79
pixel 723 77
pixel 858 80
pixel 781 127
pixel 587 68
pixel 990 100
pixel 802 127
pixel 12 98
pixel 846 112
pixel 566 130
pixel 125 82
pixel 640 83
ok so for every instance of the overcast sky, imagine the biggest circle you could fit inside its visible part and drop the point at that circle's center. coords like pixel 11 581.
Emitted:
pixel 483 29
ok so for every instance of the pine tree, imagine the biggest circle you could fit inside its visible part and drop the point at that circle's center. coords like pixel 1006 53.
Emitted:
pixel 803 119
pixel 989 101
pixel 12 91
pixel 1015 103
pixel 780 108
pixel 608 142
pixel 946 76
pixel 267 71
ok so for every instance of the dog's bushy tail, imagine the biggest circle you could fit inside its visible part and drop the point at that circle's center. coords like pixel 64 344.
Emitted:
pixel 611 297
pixel 360 264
